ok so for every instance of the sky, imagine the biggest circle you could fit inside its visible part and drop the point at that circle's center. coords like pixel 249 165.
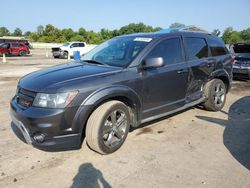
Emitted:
pixel 113 14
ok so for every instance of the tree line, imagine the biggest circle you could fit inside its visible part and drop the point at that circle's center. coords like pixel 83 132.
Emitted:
pixel 50 33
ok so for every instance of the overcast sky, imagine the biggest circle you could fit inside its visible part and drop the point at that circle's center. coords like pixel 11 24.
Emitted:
pixel 112 14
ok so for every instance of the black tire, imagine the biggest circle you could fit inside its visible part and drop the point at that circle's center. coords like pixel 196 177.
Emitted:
pixel 215 92
pixel 65 55
pixel 22 53
pixel 101 132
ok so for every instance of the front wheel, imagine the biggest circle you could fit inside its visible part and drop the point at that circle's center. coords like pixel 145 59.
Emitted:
pixel 22 53
pixel 65 55
pixel 107 127
pixel 215 91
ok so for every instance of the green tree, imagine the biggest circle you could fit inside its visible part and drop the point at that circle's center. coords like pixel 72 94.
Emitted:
pixel 82 32
pixel 27 33
pixel 17 32
pixel 77 38
pixel 230 36
pixel 176 24
pixel 245 34
pixel 68 33
pixel 34 37
pixel 105 34
pixel 135 28
pixel 4 31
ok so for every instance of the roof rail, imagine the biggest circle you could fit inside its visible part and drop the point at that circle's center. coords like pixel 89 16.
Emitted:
pixel 190 28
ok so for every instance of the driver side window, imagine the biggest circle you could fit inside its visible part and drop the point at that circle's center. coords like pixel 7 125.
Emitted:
pixel 170 50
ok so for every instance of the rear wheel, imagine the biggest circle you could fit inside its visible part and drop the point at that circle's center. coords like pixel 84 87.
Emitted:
pixel 107 127
pixel 22 53
pixel 215 91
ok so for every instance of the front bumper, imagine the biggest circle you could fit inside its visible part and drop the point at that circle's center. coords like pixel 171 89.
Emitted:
pixel 241 73
pixel 58 126
pixel 57 53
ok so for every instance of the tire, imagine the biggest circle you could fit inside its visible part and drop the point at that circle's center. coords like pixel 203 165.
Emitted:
pixel 22 53
pixel 65 55
pixel 215 91
pixel 104 134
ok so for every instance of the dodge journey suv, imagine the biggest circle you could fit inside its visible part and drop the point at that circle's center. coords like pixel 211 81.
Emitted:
pixel 122 83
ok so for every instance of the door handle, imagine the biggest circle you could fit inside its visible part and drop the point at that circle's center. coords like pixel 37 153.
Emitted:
pixel 182 71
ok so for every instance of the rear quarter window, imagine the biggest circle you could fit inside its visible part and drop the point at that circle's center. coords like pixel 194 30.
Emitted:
pixel 217 47
pixel 196 48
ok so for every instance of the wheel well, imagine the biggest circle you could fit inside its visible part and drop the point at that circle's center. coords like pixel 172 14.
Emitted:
pixel 225 81
pixel 133 110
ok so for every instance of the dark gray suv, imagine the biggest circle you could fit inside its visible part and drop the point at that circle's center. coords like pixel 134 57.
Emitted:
pixel 122 83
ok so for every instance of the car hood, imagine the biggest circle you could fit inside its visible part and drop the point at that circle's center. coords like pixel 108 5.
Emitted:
pixel 51 79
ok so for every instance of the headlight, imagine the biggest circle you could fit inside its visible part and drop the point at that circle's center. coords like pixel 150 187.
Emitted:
pixel 58 100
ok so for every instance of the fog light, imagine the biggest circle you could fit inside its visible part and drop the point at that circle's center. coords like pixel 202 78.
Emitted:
pixel 39 137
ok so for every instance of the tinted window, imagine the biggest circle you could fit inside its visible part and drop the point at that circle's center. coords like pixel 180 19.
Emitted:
pixel 217 47
pixel 196 48
pixel 170 50
pixel 81 45
pixel 74 45
pixel 15 45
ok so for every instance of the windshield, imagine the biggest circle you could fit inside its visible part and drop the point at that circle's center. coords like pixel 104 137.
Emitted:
pixel 118 52
pixel 66 44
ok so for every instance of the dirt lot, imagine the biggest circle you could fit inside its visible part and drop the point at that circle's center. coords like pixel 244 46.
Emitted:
pixel 194 148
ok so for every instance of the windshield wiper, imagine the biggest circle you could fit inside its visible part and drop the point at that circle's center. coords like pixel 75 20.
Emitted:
pixel 94 62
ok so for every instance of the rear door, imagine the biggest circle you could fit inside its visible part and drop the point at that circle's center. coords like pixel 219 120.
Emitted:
pixel 15 48
pixel 200 63
pixel 82 48
pixel 164 88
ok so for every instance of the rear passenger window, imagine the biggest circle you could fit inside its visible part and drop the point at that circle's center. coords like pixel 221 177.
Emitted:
pixel 197 48
pixel 15 45
pixel 81 44
pixel 217 47
pixel 170 50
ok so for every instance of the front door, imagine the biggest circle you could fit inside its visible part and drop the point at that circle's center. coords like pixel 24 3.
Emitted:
pixel 164 88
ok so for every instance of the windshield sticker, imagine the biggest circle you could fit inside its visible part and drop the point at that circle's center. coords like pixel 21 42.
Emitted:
pixel 139 39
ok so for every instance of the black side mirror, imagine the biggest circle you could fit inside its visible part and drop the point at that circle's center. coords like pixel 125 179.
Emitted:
pixel 151 63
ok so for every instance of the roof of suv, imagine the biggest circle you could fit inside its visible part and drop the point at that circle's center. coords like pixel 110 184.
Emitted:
pixel 173 31
pixel 159 34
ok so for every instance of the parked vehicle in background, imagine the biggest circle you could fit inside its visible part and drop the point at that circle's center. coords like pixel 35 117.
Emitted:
pixel 14 48
pixel 68 49
pixel 21 40
pixel 241 67
pixel 122 83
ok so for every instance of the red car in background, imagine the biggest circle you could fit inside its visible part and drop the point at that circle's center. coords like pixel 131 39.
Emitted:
pixel 14 48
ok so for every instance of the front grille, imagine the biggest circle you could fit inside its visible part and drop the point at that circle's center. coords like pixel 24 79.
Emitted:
pixel 55 49
pixel 24 97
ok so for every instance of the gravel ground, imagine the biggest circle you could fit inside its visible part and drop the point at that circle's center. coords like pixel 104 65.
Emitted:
pixel 194 148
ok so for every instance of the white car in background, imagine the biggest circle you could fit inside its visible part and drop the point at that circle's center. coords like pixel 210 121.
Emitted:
pixel 68 49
